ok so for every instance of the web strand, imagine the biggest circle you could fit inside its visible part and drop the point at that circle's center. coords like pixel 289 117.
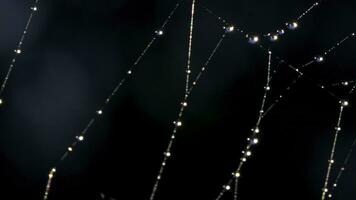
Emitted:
pixel 178 123
pixel 18 50
pixel 333 149
pixel 80 138
pixel 273 36
pixel 330 191
pixel 253 140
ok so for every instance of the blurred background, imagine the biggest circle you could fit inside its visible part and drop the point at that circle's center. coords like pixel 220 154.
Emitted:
pixel 77 51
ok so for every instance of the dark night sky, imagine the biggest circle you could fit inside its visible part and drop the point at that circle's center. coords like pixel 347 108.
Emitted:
pixel 77 51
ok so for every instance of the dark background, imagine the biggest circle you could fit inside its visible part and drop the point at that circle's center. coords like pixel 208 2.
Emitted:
pixel 76 52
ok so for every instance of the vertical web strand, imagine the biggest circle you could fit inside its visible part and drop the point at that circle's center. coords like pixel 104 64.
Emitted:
pixel 191 29
pixel 178 122
pixel 332 153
